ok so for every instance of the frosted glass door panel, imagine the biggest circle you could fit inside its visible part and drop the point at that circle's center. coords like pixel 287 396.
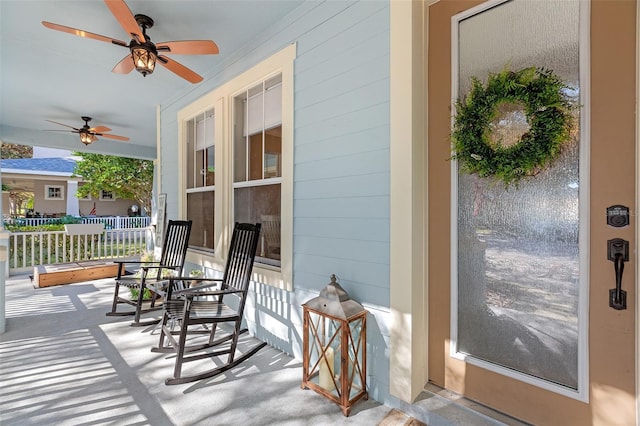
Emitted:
pixel 518 259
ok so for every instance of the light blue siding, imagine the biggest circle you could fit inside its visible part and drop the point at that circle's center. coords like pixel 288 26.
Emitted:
pixel 359 98
pixel 370 139
pixel 358 208
pixel 370 117
pixel 341 167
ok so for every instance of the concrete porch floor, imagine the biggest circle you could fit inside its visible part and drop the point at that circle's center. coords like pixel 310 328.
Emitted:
pixel 63 362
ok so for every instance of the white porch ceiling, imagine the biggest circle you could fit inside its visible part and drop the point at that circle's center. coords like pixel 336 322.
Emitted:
pixel 50 75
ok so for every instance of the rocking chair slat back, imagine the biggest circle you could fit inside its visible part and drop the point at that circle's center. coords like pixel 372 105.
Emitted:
pixel 173 256
pixel 241 256
pixel 174 247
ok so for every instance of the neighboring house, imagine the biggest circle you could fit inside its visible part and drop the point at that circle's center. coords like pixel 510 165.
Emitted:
pixel 337 121
pixel 48 175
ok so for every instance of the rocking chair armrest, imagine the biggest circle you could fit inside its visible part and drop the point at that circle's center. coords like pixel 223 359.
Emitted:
pixel 194 279
pixel 197 289
pixel 177 291
pixel 158 265
pixel 203 283
pixel 123 262
pixel 189 293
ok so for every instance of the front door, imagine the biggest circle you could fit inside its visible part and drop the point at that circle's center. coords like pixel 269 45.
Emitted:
pixel 522 316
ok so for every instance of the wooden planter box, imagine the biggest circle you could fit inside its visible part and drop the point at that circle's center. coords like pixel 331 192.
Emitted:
pixel 67 273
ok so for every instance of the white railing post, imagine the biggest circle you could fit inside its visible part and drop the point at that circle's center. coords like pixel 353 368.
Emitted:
pixel 4 273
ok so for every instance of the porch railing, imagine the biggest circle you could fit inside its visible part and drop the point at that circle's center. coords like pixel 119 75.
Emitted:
pixel 110 222
pixel 29 249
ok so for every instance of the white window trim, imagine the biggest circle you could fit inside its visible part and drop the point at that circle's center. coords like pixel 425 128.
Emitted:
pixel 46 192
pixel 221 99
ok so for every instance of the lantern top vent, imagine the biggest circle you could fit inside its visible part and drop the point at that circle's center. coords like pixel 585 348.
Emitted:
pixel 335 301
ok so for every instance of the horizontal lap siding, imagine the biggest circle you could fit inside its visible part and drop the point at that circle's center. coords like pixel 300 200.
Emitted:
pixel 341 192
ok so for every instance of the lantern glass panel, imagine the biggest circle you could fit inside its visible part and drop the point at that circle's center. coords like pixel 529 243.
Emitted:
pixel 324 352
pixel 355 361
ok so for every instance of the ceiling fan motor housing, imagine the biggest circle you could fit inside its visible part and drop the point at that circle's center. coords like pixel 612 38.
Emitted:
pixel 143 54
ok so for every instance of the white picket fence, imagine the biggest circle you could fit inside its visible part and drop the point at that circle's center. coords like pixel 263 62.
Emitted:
pixel 110 222
pixel 29 249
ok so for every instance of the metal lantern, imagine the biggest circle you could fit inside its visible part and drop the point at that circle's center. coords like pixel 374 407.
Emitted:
pixel 335 347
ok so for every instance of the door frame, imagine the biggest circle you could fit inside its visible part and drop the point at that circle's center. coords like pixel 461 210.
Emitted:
pixel 408 362
pixel 637 215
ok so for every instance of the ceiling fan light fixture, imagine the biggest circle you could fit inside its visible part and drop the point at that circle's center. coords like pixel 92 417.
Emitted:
pixel 144 59
pixel 86 137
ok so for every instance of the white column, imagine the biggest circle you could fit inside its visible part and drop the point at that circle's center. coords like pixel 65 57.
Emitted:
pixel 73 205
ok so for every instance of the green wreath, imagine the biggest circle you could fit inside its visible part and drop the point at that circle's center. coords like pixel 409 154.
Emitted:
pixel 541 94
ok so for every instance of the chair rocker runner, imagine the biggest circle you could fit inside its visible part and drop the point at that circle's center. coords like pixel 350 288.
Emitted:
pixel 202 306
pixel 172 257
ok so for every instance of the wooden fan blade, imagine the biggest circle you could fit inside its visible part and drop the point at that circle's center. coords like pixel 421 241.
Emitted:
pixel 62 124
pixel 126 19
pixel 116 137
pixel 179 69
pixel 189 47
pixel 82 33
pixel 125 66
pixel 99 129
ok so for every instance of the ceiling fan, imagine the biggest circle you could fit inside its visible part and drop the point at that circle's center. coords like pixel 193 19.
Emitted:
pixel 143 52
pixel 89 134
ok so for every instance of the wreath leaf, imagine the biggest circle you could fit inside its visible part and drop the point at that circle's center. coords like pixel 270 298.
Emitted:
pixel 548 113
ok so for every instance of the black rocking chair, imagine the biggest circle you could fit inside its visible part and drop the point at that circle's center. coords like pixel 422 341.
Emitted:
pixel 151 274
pixel 196 302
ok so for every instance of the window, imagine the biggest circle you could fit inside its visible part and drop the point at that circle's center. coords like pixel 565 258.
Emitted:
pixel 107 195
pixel 257 154
pixel 53 192
pixel 237 156
pixel 200 178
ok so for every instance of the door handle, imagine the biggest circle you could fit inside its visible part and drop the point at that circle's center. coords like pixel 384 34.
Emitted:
pixel 618 253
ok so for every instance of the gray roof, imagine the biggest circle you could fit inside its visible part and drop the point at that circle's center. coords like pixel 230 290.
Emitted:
pixel 42 165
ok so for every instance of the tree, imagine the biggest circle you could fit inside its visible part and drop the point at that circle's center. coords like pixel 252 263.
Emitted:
pixel 11 150
pixel 18 200
pixel 128 178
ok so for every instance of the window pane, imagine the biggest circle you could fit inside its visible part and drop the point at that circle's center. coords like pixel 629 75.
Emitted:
pixel 273 153
pixel 239 140
pixel 200 150
pixel 255 113
pixel 257 131
pixel 255 156
pixel 200 168
pixel 273 101
pixel 200 209
pixel 211 166
pixel 190 128
pixel 261 204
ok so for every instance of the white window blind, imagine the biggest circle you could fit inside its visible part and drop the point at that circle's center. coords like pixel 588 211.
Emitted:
pixel 205 130
pixel 259 118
